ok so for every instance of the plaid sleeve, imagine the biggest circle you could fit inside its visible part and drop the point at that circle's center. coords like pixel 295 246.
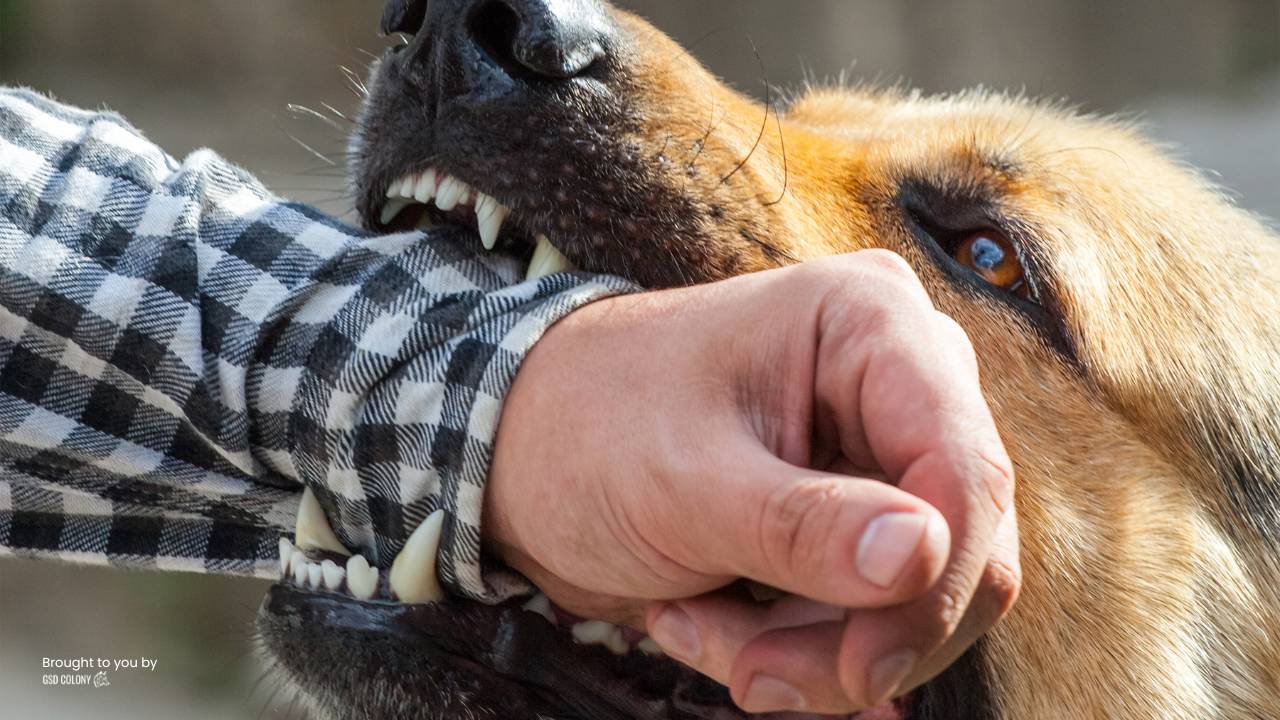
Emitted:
pixel 180 352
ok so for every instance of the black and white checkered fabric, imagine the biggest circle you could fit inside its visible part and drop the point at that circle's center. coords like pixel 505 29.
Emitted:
pixel 180 350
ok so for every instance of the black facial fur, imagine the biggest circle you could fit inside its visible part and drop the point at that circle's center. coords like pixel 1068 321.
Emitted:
pixel 555 137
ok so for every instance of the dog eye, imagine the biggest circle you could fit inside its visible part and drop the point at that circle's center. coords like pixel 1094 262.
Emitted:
pixel 990 255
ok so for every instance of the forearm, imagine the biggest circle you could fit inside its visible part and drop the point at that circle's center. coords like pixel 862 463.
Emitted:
pixel 176 334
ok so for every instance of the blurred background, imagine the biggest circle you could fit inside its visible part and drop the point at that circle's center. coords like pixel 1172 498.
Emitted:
pixel 1204 76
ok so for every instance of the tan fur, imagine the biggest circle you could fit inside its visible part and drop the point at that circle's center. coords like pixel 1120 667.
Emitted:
pixel 1149 592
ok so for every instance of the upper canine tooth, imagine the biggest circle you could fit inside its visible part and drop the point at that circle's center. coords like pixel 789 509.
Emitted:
pixel 413 573
pixel 392 209
pixel 362 579
pixel 312 530
pixel 491 214
pixel 425 189
pixel 546 260
pixel 450 193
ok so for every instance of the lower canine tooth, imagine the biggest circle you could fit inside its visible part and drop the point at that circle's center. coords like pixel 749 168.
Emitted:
pixel 413 573
pixel 362 579
pixel 312 530
pixel 546 260
pixel 392 209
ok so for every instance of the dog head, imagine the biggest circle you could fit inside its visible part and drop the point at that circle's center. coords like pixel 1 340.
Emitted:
pixel 1123 311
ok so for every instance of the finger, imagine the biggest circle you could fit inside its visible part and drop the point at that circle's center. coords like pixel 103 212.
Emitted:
pixel 792 669
pixel 708 633
pixel 845 541
pixel 899 387
pixel 886 652
pixel 822 669
pixel 996 594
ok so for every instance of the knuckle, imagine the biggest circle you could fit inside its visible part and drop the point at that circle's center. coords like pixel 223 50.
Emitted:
pixel 889 265
pixel 998 480
pixel 941 616
pixel 794 524
pixel 1001 584
pixel 955 335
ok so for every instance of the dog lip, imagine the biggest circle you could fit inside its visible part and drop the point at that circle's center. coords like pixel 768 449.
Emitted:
pixel 520 654
pixel 507 650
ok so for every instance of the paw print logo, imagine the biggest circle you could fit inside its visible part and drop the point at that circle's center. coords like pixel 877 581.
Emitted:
pixel 100 680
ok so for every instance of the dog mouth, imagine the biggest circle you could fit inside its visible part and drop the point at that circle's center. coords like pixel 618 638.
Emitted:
pixel 368 643
pixel 433 198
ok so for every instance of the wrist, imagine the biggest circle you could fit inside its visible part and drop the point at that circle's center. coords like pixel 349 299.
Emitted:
pixel 553 371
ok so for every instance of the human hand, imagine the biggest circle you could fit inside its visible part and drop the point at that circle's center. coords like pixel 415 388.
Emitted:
pixel 817 428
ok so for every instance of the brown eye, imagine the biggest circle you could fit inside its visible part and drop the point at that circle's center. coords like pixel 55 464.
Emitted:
pixel 991 256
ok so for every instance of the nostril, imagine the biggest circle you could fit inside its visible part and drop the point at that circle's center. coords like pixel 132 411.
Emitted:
pixel 495 28
pixel 404 16
pixel 537 39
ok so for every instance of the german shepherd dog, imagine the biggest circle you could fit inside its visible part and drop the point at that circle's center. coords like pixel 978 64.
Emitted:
pixel 1126 316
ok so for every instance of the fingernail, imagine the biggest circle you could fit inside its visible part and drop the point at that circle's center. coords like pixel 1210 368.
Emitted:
pixel 769 694
pixel 888 674
pixel 676 634
pixel 887 546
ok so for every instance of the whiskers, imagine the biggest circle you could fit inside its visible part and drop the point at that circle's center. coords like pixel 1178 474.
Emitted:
pixel 764 125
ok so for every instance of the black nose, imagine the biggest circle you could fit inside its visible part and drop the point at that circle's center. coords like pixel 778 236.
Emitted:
pixel 548 39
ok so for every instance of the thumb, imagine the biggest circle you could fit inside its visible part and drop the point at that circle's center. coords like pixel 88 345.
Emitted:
pixel 839 539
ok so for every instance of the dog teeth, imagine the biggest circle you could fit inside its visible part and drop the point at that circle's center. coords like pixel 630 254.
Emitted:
pixel 541 604
pixel 286 555
pixel 362 579
pixel 412 578
pixel 599 632
pixel 314 574
pixel 332 574
pixel 300 570
pixel 425 187
pixel 312 531
pixel 392 209
pixel 490 214
pixel 649 647
pixel 446 192
pixel 451 192
pixel 547 260
pixel 407 186
pixel 413 572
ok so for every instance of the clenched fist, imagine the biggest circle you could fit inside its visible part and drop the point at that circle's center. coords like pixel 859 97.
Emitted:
pixel 818 429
